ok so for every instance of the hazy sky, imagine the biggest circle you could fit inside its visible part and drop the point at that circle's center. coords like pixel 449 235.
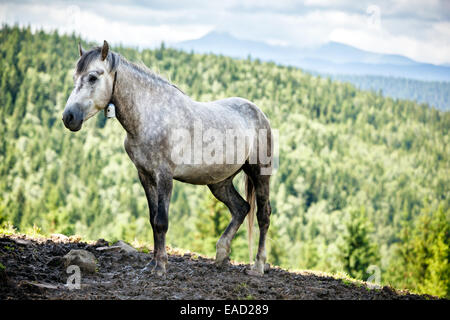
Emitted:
pixel 416 29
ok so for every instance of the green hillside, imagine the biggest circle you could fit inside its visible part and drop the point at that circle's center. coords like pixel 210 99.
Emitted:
pixel 362 179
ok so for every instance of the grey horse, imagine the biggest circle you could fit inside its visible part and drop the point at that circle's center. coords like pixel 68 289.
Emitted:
pixel 165 142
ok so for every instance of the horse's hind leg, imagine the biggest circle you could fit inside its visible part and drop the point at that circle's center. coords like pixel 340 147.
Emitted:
pixel 225 192
pixel 261 185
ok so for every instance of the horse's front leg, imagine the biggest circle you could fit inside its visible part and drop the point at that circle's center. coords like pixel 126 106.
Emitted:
pixel 158 189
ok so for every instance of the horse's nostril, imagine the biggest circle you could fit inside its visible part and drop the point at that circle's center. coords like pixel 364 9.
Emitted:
pixel 68 118
pixel 73 119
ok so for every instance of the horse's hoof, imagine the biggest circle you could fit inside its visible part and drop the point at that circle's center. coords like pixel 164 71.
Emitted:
pixel 222 263
pixel 151 264
pixel 149 267
pixel 156 267
pixel 257 269
pixel 159 271
pixel 222 257
pixel 253 272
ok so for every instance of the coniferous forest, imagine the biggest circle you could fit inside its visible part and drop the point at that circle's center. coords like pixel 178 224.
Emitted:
pixel 435 93
pixel 362 184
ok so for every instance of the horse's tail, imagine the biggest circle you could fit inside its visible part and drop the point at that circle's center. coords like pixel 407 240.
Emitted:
pixel 251 199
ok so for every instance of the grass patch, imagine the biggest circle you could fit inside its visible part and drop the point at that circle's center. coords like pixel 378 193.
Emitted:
pixel 7 229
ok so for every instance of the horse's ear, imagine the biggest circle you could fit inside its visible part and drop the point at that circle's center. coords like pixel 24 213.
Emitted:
pixel 80 49
pixel 105 50
pixel 114 63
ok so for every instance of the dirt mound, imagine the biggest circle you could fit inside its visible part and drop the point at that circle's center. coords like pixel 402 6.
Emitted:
pixel 36 269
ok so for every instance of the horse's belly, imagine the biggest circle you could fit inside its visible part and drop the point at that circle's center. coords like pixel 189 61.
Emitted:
pixel 215 154
pixel 205 174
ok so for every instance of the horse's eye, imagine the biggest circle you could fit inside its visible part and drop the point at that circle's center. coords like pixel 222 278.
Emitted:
pixel 92 79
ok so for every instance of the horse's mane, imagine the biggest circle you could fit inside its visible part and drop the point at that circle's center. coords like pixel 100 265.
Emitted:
pixel 144 70
pixel 113 59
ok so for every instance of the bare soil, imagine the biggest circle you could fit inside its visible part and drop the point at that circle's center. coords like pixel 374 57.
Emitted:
pixel 31 268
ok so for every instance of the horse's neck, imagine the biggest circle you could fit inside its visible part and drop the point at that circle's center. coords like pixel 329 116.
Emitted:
pixel 134 94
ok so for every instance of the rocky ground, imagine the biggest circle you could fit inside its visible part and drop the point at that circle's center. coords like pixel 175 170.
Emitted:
pixel 39 268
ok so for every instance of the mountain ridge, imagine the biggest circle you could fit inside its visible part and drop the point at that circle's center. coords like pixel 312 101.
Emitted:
pixel 332 57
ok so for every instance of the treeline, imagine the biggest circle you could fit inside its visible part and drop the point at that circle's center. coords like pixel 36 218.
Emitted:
pixel 434 93
pixel 362 183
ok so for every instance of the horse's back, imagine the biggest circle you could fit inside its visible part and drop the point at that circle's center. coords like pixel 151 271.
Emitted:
pixel 245 109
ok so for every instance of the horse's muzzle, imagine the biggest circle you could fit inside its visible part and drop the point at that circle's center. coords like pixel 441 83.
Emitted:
pixel 73 118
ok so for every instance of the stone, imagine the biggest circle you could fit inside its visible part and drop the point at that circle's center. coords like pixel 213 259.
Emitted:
pixel 82 258
pixel 23 242
pixel 106 249
pixel 125 247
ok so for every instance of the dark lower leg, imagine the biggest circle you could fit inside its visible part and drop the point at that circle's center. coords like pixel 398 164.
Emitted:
pixel 224 243
pixel 263 215
pixel 158 192
pixel 161 225
pixel 238 207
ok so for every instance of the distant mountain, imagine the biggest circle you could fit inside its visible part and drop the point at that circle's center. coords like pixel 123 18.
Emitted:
pixel 330 58
pixel 339 53
pixel 224 43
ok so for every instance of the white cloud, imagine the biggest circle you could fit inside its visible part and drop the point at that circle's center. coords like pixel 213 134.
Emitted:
pixel 428 45
pixel 411 28
pixel 96 27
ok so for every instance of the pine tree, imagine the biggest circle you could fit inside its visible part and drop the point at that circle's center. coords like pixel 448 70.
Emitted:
pixel 358 252
pixel 421 256
pixel 399 271
pixel 430 265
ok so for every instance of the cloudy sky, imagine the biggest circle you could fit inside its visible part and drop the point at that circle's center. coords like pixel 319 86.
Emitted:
pixel 417 29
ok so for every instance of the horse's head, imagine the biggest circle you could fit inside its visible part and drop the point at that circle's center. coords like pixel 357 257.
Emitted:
pixel 93 79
